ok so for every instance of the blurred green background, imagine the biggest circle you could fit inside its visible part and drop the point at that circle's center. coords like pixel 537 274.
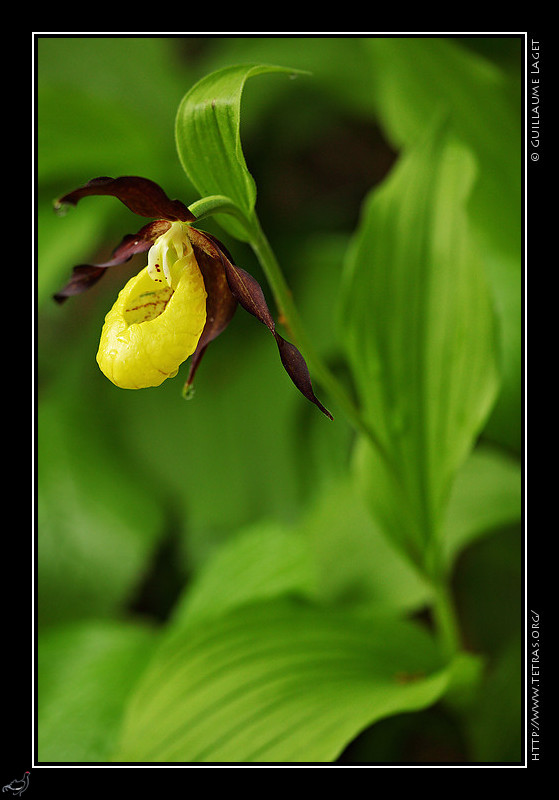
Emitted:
pixel 137 491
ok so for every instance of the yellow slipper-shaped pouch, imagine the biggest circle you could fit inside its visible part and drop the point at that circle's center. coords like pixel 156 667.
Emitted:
pixel 157 319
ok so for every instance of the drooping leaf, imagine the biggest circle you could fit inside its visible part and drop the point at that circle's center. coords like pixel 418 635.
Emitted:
pixel 277 682
pixel 264 561
pixel 419 326
pixel 208 139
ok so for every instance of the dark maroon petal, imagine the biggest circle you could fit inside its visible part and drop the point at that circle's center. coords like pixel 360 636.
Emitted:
pixel 85 276
pixel 296 367
pixel 140 195
pixel 195 360
pixel 220 303
pixel 249 293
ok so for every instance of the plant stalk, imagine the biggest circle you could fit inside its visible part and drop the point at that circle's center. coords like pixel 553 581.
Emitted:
pixel 446 620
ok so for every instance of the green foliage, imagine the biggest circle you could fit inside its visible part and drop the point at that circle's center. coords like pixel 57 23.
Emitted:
pixel 324 583
pixel 277 682
pixel 433 76
pixel 417 316
pixel 208 139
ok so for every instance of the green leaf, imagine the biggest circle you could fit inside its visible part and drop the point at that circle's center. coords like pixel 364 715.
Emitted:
pixel 419 327
pixel 207 132
pixel 413 78
pixel 355 563
pixel 277 682
pixel 486 496
pixel 86 671
pixel 334 554
pixel 263 561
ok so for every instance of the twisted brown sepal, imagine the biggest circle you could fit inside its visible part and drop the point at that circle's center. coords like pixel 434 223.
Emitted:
pixel 85 276
pixel 220 303
pixel 248 292
pixel 140 195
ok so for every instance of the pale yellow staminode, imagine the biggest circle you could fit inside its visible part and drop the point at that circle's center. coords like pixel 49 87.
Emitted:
pixel 158 317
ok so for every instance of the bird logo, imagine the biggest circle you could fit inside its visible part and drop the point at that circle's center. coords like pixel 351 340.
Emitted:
pixel 17 787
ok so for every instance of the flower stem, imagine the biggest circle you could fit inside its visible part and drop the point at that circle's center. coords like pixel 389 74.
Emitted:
pixel 445 619
pixel 288 310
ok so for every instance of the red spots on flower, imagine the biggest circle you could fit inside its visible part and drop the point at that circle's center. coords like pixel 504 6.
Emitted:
pixel 151 308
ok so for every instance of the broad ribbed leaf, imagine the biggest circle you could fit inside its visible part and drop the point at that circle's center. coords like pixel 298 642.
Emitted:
pixel 419 326
pixel 414 77
pixel 208 138
pixel 277 682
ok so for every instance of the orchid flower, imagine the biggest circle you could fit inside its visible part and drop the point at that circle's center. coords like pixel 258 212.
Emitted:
pixel 177 304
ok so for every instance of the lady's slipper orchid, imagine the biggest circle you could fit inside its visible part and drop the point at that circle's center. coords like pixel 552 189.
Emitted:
pixel 182 300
